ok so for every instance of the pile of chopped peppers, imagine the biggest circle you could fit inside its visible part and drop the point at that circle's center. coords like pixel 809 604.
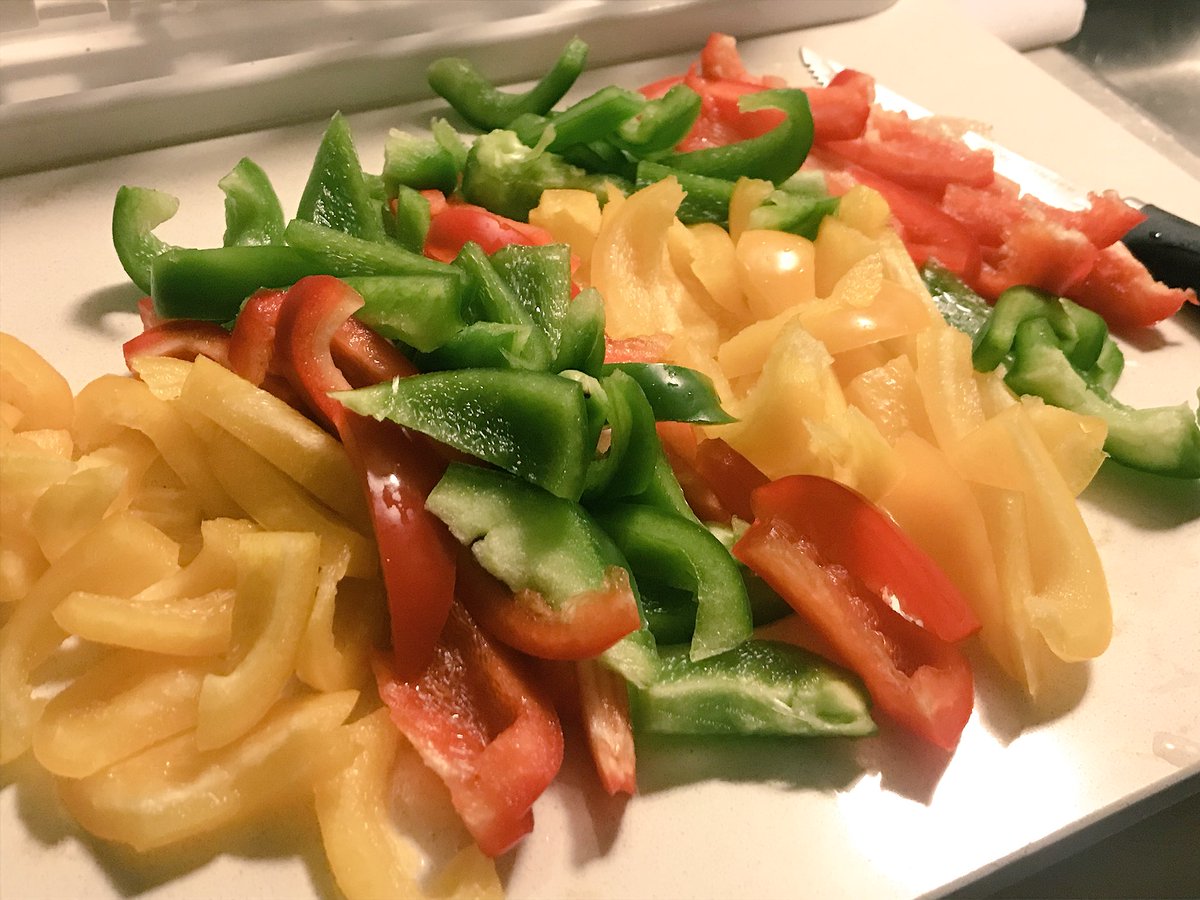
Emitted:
pixel 531 495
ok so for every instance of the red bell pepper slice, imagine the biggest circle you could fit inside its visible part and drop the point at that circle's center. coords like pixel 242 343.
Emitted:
pixel 583 627
pixel 732 477
pixel 921 681
pixel 452 225
pixel 850 531
pixel 604 708
pixel 398 471
pixel 679 443
pixel 181 339
pixel 487 731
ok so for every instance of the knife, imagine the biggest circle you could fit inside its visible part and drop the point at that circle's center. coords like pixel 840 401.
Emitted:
pixel 1167 245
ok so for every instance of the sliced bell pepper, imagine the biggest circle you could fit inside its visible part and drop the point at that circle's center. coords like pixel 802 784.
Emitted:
pixel 582 347
pixel 706 198
pixel 759 687
pixel 1163 440
pixel 422 311
pixel 676 393
pixel 137 211
pixel 508 177
pixel 533 424
pixel 921 681
pixel 483 726
pixel 594 118
pixel 684 555
pixel 336 195
pixel 540 278
pixel 492 299
pixel 419 163
pixel 604 708
pixel 480 103
pixel 252 211
pixel 568 592
pixel 773 156
pixel 660 124
pixel 397 472
pixel 179 338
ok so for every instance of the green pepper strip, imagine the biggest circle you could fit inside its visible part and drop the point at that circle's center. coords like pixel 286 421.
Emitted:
pixel 685 555
pixel 532 424
pixel 136 213
pixel 492 300
pixel 676 393
pixel 508 178
pixel 774 156
pixel 581 346
pixel 626 467
pixel 418 163
pixel 423 311
pixel 211 284
pixel 343 254
pixel 759 687
pixel 480 103
pixel 705 199
pixel 540 278
pixel 661 124
pixel 252 212
pixel 1162 440
pixel 409 224
pixel 960 306
pixel 800 214
pixel 336 194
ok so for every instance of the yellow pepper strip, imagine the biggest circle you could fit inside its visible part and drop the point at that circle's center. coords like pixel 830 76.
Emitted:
pixel 276 586
pixel 347 616
pixel 292 443
pixel 368 851
pixel 112 401
pixel 173 790
pixel 74 506
pixel 32 386
pixel 1069 602
pixel 120 556
pixel 120 706
pixel 275 501
pixel 197 625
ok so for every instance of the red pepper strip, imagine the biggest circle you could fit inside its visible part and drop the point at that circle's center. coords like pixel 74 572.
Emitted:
pixel 181 339
pixel 416 551
pixel 919 162
pixel 840 110
pixel 146 313
pixel 455 224
pixel 483 727
pixel 604 706
pixel 679 443
pixel 252 341
pixel 732 477
pixel 584 627
pixel 921 681
pixel 928 232
pixel 850 531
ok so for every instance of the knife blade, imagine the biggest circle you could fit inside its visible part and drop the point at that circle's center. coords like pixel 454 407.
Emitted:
pixel 1166 244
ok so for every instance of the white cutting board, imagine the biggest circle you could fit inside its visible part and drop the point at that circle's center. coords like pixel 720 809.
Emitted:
pixel 880 818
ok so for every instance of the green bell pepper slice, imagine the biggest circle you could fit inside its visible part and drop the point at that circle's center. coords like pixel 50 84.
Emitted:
pixel 530 538
pixel 420 163
pixel 478 101
pixel 774 156
pixel 796 213
pixel 960 306
pixel 344 254
pixel 336 194
pixel 508 177
pixel 212 283
pixel 685 555
pixel 1162 440
pixel 660 124
pixel 422 311
pixel 676 393
pixel 408 223
pixel 532 424
pixel 491 299
pixel 137 211
pixel 253 214
pixel 626 465
pixel 757 688
pixel 706 199
pixel 594 118
pixel 581 346
pixel 483 345
pixel 540 279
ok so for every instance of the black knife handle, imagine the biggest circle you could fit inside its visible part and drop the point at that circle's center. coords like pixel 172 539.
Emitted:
pixel 1168 246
